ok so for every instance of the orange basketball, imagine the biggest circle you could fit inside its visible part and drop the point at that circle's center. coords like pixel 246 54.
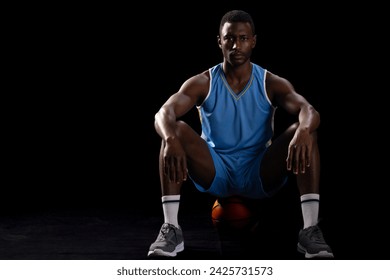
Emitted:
pixel 231 212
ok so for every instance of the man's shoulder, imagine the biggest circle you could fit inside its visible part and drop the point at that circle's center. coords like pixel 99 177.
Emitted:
pixel 216 66
pixel 258 66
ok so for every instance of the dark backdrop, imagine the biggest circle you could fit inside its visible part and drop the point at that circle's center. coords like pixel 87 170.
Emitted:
pixel 89 80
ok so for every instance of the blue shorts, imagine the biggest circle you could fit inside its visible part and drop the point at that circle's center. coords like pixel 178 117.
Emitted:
pixel 237 175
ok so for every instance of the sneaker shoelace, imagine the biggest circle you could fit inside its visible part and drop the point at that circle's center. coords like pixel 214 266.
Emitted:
pixel 316 234
pixel 164 231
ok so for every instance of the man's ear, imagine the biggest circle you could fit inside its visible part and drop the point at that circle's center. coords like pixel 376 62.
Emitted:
pixel 254 41
pixel 219 41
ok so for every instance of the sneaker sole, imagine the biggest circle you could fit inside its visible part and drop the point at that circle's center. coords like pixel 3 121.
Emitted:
pixel 159 252
pixel 320 254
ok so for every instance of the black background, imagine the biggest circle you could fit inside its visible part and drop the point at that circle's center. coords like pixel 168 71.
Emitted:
pixel 87 81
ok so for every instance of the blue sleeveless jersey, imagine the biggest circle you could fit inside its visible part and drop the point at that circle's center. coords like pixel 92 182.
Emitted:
pixel 238 127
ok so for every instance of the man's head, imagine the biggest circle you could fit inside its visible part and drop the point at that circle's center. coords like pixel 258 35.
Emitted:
pixel 236 37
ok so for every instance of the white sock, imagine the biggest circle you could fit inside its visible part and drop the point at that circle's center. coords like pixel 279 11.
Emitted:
pixel 170 204
pixel 310 206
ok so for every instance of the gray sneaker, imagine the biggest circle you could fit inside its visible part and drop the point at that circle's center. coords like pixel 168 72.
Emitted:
pixel 312 243
pixel 169 242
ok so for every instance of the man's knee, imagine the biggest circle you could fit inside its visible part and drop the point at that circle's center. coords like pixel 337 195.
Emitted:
pixel 181 127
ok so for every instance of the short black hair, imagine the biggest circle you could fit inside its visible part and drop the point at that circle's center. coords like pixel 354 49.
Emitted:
pixel 237 16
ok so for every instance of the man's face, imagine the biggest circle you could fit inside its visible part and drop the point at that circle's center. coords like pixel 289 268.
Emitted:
pixel 236 41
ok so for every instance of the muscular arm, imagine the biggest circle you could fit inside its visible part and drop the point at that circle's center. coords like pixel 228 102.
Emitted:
pixel 282 93
pixel 191 93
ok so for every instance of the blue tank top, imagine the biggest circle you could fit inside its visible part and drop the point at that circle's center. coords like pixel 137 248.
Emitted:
pixel 237 125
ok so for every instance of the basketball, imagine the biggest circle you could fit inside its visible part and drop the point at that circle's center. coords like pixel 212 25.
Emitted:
pixel 231 212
